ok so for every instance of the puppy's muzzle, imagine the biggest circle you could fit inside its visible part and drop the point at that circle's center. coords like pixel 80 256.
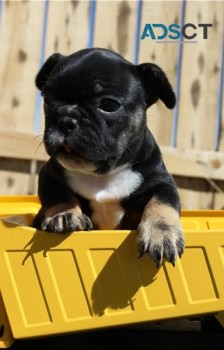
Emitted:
pixel 66 125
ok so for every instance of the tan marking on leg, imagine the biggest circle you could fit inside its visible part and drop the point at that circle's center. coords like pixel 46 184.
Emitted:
pixel 65 217
pixel 160 210
pixel 160 232
pixel 59 208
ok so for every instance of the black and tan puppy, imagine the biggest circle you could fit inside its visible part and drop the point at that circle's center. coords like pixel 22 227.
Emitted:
pixel 105 169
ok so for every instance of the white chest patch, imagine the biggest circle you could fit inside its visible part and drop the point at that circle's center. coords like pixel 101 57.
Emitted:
pixel 108 215
pixel 113 186
pixel 105 192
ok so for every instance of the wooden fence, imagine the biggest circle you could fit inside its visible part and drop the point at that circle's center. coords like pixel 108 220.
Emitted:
pixel 191 137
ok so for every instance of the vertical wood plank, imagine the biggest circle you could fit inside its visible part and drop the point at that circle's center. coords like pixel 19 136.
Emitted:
pixel 219 195
pixel 115 26
pixel 68 24
pixel 221 131
pixel 198 95
pixel 165 56
pixel 20 43
pixel 67 30
pixel 221 147
pixel 200 77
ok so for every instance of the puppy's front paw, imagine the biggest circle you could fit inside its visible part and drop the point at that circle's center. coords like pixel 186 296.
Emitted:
pixel 160 234
pixel 66 222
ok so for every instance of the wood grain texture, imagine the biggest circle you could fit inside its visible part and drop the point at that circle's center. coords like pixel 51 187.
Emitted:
pixel 67 27
pixel 19 56
pixel 200 78
pixel 21 146
pixel 221 140
pixel 165 56
pixel 205 165
pixel 195 193
pixel 16 177
pixel 219 195
pixel 198 95
pixel 115 26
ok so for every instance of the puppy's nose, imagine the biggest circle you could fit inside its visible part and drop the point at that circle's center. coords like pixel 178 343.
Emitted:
pixel 66 125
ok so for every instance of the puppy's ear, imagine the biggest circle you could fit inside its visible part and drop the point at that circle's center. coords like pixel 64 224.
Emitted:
pixel 157 85
pixel 44 72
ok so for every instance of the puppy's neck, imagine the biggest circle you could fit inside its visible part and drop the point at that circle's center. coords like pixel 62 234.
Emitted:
pixel 112 186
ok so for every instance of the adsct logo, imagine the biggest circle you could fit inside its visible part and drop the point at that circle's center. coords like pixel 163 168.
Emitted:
pixel 174 33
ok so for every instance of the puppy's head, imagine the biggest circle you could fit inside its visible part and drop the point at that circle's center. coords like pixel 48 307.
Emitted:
pixel 95 106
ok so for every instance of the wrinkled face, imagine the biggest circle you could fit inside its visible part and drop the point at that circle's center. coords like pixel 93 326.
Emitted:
pixel 94 108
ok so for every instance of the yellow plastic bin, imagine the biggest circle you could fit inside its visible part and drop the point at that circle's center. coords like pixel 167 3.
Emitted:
pixel 52 283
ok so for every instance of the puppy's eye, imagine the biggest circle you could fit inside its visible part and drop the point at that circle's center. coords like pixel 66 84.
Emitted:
pixel 109 105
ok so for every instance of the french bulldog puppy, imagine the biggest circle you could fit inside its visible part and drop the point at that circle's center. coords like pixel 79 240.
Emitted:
pixel 105 169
